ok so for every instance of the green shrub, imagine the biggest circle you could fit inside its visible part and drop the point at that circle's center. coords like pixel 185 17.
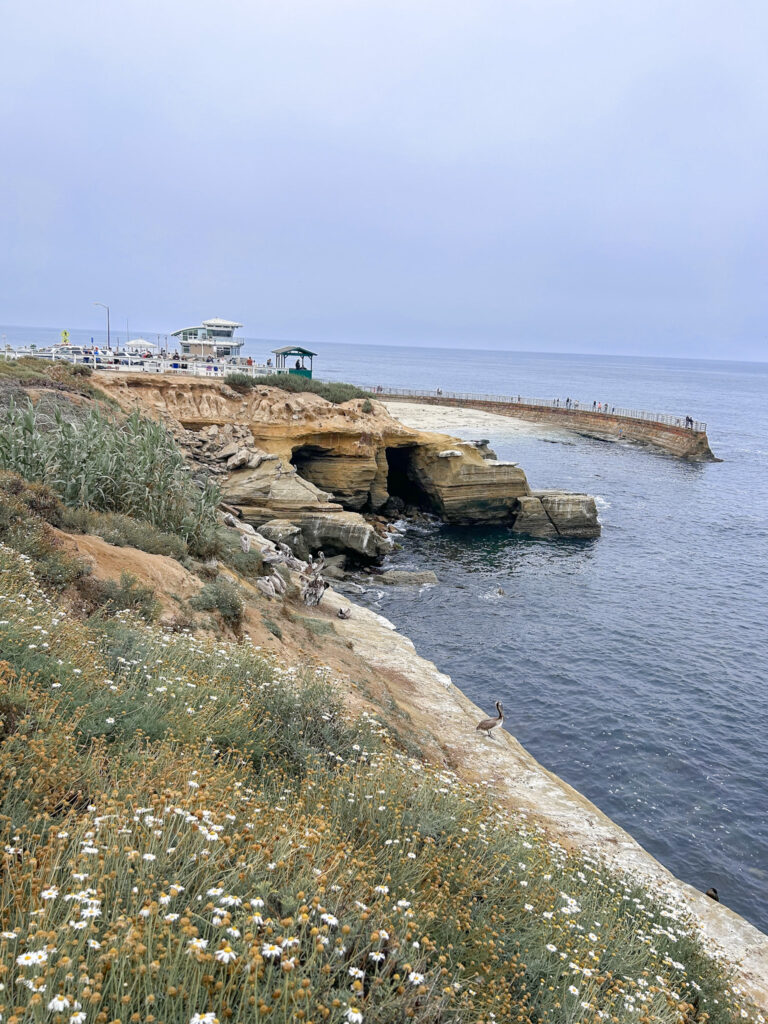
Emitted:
pixel 132 466
pixel 30 371
pixel 228 550
pixel 273 627
pixel 109 596
pixel 223 597
pixel 367 405
pixel 124 531
pixel 26 512
pixel 240 382
pixel 81 370
pixel 318 627
pixel 332 391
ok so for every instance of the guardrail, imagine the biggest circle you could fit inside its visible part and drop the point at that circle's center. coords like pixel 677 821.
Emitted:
pixel 566 405
pixel 187 367
pixel 154 364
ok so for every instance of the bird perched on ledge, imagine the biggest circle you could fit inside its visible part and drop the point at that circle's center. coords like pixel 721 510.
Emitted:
pixel 488 724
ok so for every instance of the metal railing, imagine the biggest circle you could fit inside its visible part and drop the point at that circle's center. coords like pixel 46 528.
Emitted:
pixel 189 367
pixel 194 366
pixel 599 409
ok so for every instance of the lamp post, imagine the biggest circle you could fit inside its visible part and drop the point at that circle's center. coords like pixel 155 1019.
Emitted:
pixel 105 306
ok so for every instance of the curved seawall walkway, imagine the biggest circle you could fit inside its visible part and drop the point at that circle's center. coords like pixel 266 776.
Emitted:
pixel 659 430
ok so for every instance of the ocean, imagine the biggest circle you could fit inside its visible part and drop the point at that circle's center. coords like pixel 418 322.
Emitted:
pixel 633 666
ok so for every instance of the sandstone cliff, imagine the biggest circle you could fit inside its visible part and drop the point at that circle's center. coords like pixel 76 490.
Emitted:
pixel 301 459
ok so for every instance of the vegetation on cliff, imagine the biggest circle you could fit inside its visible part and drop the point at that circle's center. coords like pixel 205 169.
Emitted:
pixel 195 832
pixel 333 391
pixel 130 466
pixel 58 375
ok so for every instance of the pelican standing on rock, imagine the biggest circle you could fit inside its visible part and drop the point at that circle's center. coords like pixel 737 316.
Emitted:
pixel 488 724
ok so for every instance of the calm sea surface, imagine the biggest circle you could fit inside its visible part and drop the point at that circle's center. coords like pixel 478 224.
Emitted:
pixel 633 666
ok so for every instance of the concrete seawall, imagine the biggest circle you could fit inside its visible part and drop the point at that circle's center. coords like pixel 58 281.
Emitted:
pixel 681 442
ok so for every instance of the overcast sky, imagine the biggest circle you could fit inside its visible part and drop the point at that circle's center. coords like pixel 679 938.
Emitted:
pixel 553 175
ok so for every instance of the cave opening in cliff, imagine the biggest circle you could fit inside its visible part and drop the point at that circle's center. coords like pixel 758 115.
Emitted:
pixel 401 479
pixel 305 457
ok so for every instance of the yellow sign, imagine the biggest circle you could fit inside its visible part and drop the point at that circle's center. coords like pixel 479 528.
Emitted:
pixel 65 337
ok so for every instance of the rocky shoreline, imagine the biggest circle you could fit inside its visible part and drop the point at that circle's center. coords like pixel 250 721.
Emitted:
pixel 340 473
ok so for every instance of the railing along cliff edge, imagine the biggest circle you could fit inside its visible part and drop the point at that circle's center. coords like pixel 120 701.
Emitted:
pixel 668 419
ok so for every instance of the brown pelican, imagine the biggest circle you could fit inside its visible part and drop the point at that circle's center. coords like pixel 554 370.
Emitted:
pixel 490 723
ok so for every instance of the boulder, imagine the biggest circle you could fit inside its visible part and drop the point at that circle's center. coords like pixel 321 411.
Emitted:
pixel 273 490
pixel 464 487
pixel 282 531
pixel 574 515
pixel 393 507
pixel 227 451
pixel 531 518
pixel 240 458
pixel 345 532
pixel 557 514
pixel 400 577
pixel 333 572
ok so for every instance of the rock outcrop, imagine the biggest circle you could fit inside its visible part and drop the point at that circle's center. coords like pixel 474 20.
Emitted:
pixel 464 487
pixel 283 531
pixel 556 514
pixel 302 460
pixel 343 532
pixel 401 577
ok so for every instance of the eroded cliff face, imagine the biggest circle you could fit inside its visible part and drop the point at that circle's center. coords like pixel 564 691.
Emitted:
pixel 298 458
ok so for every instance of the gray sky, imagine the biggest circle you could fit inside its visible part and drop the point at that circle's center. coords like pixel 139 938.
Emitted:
pixel 554 175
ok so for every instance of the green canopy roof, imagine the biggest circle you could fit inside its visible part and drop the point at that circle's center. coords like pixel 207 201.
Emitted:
pixel 293 350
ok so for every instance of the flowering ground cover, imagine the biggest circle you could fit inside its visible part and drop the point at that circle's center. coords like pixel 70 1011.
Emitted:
pixel 193 832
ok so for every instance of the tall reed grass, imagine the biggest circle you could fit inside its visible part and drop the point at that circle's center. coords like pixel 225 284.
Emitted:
pixel 130 466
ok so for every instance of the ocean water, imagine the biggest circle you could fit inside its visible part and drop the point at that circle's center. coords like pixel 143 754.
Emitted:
pixel 634 666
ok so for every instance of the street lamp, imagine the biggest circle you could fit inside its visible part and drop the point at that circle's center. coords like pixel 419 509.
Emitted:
pixel 105 306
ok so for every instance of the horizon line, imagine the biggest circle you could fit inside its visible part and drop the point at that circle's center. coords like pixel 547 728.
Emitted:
pixel 427 345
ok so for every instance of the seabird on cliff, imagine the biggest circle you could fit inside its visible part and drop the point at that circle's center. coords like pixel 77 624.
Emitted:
pixel 489 724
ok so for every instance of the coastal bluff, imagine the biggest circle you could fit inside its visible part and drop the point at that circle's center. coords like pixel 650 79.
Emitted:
pixel 333 469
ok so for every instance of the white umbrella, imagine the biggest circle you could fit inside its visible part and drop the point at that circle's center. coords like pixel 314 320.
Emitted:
pixel 141 345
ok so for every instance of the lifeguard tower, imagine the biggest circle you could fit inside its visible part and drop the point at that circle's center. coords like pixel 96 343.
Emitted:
pixel 212 339
pixel 291 359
